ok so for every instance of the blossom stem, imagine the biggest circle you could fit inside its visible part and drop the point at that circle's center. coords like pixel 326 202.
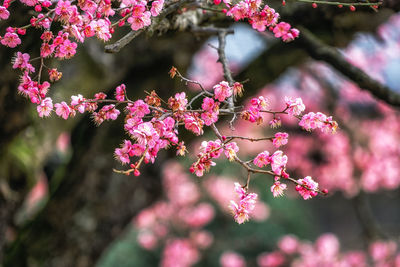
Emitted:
pixel 341 3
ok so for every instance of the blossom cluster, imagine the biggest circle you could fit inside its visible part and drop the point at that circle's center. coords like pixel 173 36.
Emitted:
pixel 326 252
pixel 210 150
pixel 182 209
pixel 85 19
pixel 185 209
pixel 260 17
pixel 241 210
pixel 152 124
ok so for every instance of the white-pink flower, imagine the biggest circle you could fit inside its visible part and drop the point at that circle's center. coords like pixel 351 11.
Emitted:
pixel 222 91
pixel 307 187
pixel 241 210
pixel 278 162
pixel 262 159
pixel 156 7
pixel 230 150
pixel 21 61
pixel 294 107
pixel 45 107
pixel 280 139
pixel 277 189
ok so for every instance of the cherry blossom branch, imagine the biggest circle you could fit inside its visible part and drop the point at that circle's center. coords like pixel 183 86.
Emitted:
pixel 232 137
pixel 225 65
pixel 371 228
pixel 341 3
pixel 364 214
pixel 186 80
pixel 136 166
pixel 249 169
pixel 321 51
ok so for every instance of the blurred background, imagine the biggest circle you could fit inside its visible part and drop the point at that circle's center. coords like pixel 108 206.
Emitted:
pixel 62 205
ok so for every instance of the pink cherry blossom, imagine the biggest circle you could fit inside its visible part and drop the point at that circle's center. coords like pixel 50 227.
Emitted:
pixel 209 104
pixel 280 139
pixel 139 108
pixel 179 102
pixel 241 210
pixel 277 189
pixel 282 28
pixel 194 123
pixel 4 13
pixel 123 153
pixel 294 107
pixel 62 110
pixel 140 22
pixel 10 39
pixel 262 159
pixel 21 61
pixel 275 123
pixel 222 91
pixel 45 107
pixel 230 150
pixel 120 92
pixel 278 162
pixel 146 134
pixel 209 117
pixel 156 7
pixel 78 103
pixel 307 187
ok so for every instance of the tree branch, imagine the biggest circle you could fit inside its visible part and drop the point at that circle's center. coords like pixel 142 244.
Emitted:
pixel 364 214
pixel 321 51
pixel 121 43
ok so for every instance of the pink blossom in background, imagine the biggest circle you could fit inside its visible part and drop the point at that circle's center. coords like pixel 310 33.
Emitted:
pixel 232 259
pixel 203 239
pixel 325 251
pixel 261 212
pixel 179 253
pixel 288 244
pixel 37 193
pixel 147 240
pixel 327 245
pixel 273 259
pixel 198 216
pixel 63 142
pixel 380 251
